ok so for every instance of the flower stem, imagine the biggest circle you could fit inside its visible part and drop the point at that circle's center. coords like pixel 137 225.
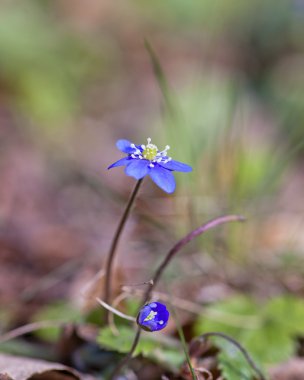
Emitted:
pixel 173 251
pixel 112 251
pixel 181 243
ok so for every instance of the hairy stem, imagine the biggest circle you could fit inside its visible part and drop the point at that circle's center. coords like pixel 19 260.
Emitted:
pixel 173 251
pixel 181 243
pixel 239 347
pixel 111 254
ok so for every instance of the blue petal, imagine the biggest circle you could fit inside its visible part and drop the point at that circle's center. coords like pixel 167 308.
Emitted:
pixel 144 312
pixel 137 168
pixel 163 178
pixel 124 146
pixel 176 165
pixel 149 326
pixel 159 307
pixel 121 162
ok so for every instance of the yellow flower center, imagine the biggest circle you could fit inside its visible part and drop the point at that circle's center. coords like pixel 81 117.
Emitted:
pixel 150 152
pixel 151 316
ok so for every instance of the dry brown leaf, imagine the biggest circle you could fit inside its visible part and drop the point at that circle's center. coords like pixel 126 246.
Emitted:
pixel 293 369
pixel 18 368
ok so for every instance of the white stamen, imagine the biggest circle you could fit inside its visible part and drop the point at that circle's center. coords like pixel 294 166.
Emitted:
pixel 143 146
pixel 151 165
pixel 161 322
pixel 133 146
pixel 164 152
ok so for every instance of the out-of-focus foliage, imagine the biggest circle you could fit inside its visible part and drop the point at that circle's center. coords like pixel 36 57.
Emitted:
pixel 268 23
pixel 214 117
pixel 59 311
pixel 267 331
pixel 232 362
pixel 286 90
pixel 42 64
pixel 20 347
pixel 229 162
pixel 165 351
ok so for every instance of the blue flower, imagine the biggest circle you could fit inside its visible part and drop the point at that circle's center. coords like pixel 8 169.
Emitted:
pixel 142 160
pixel 153 317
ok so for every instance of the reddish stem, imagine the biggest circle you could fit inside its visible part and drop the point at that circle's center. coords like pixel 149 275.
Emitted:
pixel 111 254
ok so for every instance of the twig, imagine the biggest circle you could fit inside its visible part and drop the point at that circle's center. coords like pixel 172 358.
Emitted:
pixel 237 345
pixel 173 251
pixel 51 279
pixel 19 331
pixel 111 254
pixel 89 286
pixel 115 311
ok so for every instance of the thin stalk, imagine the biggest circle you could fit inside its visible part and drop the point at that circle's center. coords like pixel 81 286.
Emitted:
pixel 25 329
pixel 111 254
pixel 173 251
pixel 239 347
pixel 184 344
pixel 115 311
pixel 181 243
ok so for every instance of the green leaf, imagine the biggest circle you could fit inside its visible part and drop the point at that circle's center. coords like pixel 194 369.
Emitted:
pixel 270 344
pixel 163 350
pixel 281 321
pixel 59 311
pixel 288 311
pixel 232 362
pixel 229 316
pixel 266 331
